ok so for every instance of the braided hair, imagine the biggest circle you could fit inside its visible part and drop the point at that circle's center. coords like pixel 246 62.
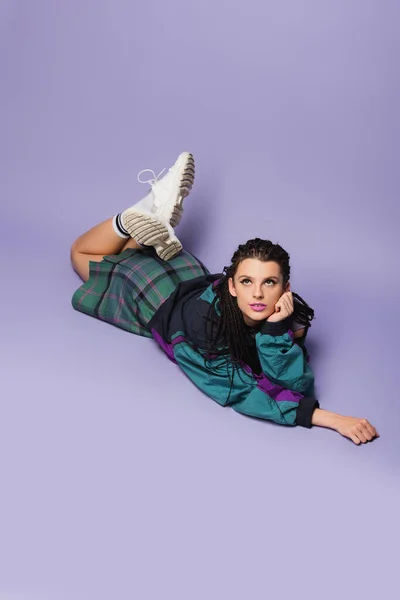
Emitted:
pixel 228 335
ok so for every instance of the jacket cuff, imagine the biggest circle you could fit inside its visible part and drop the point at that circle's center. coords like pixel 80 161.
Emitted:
pixel 305 411
pixel 277 328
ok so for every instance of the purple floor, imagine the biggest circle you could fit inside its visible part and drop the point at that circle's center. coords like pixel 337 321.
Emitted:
pixel 119 479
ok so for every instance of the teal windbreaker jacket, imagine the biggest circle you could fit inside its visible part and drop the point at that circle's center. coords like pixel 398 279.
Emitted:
pixel 278 385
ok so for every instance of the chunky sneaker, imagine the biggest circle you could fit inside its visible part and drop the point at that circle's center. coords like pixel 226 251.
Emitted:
pixel 148 230
pixel 167 193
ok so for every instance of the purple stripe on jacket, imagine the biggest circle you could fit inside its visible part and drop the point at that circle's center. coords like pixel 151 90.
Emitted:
pixel 168 349
pixel 276 392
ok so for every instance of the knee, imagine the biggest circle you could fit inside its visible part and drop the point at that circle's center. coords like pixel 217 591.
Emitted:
pixel 131 243
pixel 73 254
pixel 74 247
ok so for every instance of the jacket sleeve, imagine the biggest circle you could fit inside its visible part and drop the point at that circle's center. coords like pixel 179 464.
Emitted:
pixel 284 360
pixel 247 393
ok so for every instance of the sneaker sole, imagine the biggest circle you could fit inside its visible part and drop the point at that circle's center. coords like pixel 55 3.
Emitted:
pixel 185 186
pixel 148 231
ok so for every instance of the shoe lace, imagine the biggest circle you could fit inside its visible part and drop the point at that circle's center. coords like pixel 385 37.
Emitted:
pixel 153 180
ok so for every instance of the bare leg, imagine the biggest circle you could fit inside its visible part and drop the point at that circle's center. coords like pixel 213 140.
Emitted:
pixel 131 243
pixel 94 244
pixel 150 221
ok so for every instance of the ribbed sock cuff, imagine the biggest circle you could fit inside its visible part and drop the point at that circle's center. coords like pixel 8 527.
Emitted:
pixel 119 228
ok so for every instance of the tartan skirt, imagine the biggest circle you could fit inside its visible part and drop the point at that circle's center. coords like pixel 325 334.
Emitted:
pixel 127 289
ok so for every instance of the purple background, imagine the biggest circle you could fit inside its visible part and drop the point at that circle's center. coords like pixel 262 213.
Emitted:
pixel 119 479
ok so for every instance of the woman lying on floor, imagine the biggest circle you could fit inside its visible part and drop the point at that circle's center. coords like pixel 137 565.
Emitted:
pixel 238 335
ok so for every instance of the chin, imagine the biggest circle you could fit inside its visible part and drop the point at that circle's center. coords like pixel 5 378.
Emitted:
pixel 258 316
pixel 254 319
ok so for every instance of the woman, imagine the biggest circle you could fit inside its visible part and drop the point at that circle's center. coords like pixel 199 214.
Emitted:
pixel 238 335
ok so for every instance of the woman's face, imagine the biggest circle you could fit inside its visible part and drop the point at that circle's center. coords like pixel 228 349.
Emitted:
pixel 257 285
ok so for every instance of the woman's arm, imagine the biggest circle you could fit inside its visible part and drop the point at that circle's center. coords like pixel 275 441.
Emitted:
pixel 357 430
pixel 251 398
pixel 284 362
pixel 262 397
pixel 245 393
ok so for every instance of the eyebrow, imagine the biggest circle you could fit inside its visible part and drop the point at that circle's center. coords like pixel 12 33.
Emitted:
pixel 269 277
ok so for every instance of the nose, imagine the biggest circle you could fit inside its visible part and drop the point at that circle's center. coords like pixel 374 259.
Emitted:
pixel 257 294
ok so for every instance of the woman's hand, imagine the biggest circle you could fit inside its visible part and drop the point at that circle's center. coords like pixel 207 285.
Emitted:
pixel 283 308
pixel 359 431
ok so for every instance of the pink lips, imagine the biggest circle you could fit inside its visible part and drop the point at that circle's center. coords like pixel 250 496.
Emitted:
pixel 258 307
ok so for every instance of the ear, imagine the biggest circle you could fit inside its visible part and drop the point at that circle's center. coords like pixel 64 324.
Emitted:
pixel 231 287
pixel 287 289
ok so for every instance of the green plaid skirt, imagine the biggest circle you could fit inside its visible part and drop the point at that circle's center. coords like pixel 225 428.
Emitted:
pixel 127 289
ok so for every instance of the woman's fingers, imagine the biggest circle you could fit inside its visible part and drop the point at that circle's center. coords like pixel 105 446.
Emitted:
pixel 287 301
pixel 284 307
pixel 367 430
pixel 360 433
pixel 355 439
pixel 291 301
pixel 289 297
pixel 370 428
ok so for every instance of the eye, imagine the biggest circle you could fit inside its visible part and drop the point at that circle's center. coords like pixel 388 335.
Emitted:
pixel 269 282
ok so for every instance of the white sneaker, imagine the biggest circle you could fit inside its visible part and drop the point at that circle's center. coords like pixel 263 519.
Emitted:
pixel 167 193
pixel 149 230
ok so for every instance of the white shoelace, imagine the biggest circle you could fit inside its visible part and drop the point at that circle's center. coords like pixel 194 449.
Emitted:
pixel 153 180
